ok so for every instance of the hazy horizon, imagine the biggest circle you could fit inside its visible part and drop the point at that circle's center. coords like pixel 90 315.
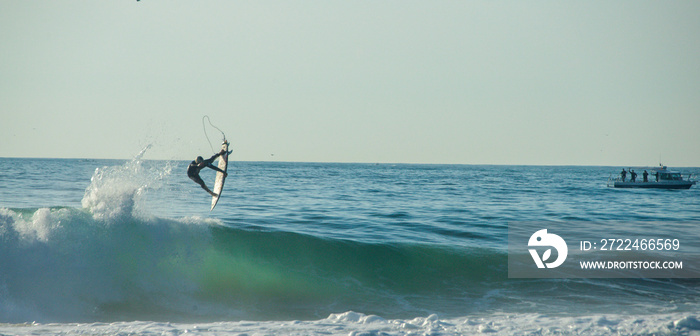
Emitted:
pixel 233 162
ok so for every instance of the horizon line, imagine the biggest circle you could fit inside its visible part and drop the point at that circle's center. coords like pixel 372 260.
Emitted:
pixel 357 162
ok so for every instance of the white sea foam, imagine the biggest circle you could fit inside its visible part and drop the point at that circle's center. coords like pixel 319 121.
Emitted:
pixel 115 191
pixel 357 324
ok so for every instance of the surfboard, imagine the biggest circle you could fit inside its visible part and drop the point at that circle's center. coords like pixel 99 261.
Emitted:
pixel 220 178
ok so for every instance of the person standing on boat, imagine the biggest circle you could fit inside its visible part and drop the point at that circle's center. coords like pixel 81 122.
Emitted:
pixel 633 176
pixel 645 175
pixel 623 174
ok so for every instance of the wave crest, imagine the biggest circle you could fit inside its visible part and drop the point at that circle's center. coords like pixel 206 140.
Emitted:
pixel 115 192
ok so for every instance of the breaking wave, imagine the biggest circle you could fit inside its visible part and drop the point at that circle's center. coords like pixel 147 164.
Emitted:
pixel 67 264
pixel 111 260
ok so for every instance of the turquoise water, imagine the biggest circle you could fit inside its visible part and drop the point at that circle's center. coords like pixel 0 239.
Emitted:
pixel 110 240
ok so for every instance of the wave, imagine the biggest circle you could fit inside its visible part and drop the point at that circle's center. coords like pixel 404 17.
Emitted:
pixel 111 260
pixel 70 264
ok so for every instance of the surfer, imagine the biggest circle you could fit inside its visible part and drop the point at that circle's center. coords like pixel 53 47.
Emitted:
pixel 198 164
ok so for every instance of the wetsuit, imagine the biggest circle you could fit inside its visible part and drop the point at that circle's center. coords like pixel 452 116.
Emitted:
pixel 194 168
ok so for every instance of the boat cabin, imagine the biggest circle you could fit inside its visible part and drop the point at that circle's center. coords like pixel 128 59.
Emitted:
pixel 666 175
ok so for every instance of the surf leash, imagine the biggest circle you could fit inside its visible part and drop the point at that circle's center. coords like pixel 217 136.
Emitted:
pixel 205 131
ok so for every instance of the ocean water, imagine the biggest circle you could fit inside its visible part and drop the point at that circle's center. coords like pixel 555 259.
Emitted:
pixel 130 247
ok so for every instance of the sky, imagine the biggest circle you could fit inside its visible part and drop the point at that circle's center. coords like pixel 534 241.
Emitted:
pixel 446 82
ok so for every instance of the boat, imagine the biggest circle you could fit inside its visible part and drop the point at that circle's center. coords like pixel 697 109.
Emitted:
pixel 659 178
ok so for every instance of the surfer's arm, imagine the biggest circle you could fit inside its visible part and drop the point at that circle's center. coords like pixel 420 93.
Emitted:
pixel 212 158
pixel 214 167
pixel 217 169
pixel 209 161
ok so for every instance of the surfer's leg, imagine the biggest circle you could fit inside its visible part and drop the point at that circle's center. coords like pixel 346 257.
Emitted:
pixel 201 183
pixel 209 191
